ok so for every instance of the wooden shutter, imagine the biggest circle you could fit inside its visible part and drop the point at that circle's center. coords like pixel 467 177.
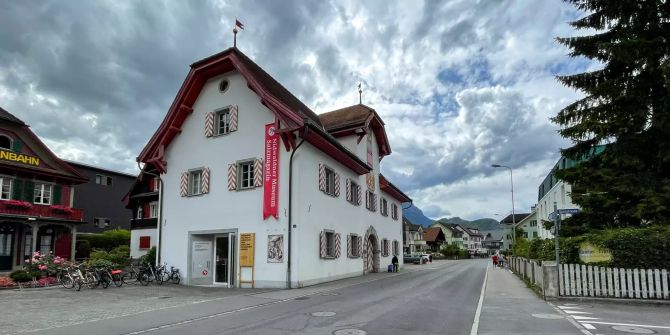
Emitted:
pixel 183 185
pixel 350 246
pixel 146 211
pixel 16 146
pixel 322 245
pixel 348 190
pixel 209 124
pixel 258 172
pixel 232 177
pixel 233 119
pixel 56 196
pixel 17 189
pixel 338 245
pixel 29 191
pixel 358 190
pixel 360 246
pixel 205 181
pixel 373 202
pixel 145 242
pixel 322 178
pixel 337 183
pixel 381 207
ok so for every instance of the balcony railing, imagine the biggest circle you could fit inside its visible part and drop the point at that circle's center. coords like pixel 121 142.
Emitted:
pixel 42 211
pixel 418 242
pixel 143 223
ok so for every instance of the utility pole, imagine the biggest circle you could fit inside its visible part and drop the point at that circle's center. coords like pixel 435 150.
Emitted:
pixel 557 227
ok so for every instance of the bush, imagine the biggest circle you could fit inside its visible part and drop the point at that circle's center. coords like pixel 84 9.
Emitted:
pixel 150 257
pixel 450 250
pixel 107 240
pixel 21 276
pixel 83 249
pixel 118 256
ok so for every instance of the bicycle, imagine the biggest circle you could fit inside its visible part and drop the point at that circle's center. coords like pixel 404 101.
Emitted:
pixel 173 276
pixel 102 277
pixel 146 275
pixel 81 278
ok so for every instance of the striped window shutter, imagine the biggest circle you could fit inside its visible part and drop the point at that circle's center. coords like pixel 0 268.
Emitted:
pixel 374 202
pixel 348 189
pixel 380 205
pixel 258 172
pixel 360 246
pixel 322 178
pixel 358 190
pixel 205 180
pixel 322 244
pixel 209 124
pixel 338 245
pixel 350 246
pixel 183 185
pixel 232 177
pixel 233 119
pixel 337 184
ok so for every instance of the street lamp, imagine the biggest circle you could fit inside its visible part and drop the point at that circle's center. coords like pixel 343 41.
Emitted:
pixel 511 178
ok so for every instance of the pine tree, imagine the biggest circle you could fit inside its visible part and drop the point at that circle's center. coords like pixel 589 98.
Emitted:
pixel 626 107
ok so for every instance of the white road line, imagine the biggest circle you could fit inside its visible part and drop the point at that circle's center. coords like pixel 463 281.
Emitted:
pixel 627 324
pixel 579 317
pixel 576 312
pixel 475 322
pixel 588 326
pixel 574 323
pixel 570 307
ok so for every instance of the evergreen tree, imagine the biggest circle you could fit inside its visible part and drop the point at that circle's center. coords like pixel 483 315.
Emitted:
pixel 626 107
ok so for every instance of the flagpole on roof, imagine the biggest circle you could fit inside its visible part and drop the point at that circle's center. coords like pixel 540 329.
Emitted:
pixel 241 26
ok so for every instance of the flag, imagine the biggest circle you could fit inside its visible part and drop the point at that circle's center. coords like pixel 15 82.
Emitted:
pixel 239 24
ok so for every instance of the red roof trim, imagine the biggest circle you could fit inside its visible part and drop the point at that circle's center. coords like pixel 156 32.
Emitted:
pixel 392 190
pixel 334 149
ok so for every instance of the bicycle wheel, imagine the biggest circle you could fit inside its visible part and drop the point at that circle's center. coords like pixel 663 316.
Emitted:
pixel 175 278
pixel 117 279
pixel 91 280
pixel 78 284
pixel 67 281
pixel 143 278
pixel 105 279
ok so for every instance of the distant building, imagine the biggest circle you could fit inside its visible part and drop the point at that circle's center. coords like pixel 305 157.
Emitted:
pixel 452 235
pixel 434 238
pixel 142 201
pixel 413 240
pixel 508 223
pixel 101 198
pixel 36 197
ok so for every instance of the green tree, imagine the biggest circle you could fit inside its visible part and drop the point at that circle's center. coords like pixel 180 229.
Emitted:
pixel 626 106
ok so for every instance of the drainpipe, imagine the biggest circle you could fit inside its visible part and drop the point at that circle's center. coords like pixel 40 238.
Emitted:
pixel 290 208
pixel 160 213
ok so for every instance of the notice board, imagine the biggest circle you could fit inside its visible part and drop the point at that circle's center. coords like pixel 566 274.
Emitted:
pixel 247 243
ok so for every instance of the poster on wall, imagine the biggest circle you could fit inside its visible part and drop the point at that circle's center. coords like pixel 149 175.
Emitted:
pixel 271 173
pixel 275 248
pixel 247 241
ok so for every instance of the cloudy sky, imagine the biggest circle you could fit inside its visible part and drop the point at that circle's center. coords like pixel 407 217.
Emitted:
pixel 460 84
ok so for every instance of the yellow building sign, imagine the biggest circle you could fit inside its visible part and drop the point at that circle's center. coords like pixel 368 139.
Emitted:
pixel 589 253
pixel 19 158
pixel 247 242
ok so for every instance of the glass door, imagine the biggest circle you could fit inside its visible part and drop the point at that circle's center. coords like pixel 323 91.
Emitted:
pixel 222 260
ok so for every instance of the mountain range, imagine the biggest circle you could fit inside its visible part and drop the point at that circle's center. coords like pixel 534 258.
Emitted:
pixel 415 215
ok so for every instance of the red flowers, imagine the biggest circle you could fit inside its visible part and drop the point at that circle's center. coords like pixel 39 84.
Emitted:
pixel 18 204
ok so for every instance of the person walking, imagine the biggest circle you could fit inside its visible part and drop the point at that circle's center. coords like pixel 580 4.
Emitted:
pixel 394 261
pixel 495 261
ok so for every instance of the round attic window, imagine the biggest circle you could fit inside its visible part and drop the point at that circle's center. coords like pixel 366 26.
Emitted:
pixel 223 85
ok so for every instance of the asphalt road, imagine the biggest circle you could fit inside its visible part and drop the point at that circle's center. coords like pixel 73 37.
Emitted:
pixel 437 298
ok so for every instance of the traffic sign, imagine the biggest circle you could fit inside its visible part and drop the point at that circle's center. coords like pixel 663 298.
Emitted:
pixel 552 216
pixel 569 211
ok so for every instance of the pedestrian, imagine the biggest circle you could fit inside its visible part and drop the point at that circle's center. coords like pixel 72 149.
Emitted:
pixel 495 260
pixel 430 258
pixel 394 261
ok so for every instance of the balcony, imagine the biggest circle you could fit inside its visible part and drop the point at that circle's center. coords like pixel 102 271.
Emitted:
pixel 42 211
pixel 417 242
pixel 143 223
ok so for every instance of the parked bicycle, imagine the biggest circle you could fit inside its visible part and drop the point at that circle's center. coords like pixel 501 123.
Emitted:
pixel 173 275
pixel 147 274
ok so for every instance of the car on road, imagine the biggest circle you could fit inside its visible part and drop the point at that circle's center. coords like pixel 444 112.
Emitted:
pixel 415 258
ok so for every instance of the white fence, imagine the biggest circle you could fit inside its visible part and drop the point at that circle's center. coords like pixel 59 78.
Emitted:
pixel 594 281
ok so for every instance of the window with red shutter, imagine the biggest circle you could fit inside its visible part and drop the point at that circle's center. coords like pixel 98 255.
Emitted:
pixel 145 242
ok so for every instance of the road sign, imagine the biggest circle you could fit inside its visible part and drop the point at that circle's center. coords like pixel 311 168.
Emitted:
pixel 552 216
pixel 569 211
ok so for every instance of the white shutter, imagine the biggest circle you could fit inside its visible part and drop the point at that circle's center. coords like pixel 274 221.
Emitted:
pixel 209 124
pixel 348 190
pixel 337 184
pixel 183 185
pixel 322 245
pixel 258 172
pixel 232 177
pixel 358 191
pixel 233 119
pixel 338 245
pixel 205 180
pixel 322 178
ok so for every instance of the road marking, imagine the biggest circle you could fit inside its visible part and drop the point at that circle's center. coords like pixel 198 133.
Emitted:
pixel 475 322
pixel 574 323
pixel 579 317
pixel 576 312
pixel 627 324
pixel 570 307
pixel 588 326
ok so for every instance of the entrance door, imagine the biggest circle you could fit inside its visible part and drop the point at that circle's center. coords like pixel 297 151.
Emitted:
pixel 225 259
pixel 201 260
pixel 370 255
pixel 6 246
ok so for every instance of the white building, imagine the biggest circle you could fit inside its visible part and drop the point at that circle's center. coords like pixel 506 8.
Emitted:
pixel 258 188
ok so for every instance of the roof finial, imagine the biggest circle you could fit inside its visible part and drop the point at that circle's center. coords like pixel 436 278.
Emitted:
pixel 360 94
pixel 237 24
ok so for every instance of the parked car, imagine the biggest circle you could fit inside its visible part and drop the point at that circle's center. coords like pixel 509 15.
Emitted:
pixel 414 258
pixel 425 258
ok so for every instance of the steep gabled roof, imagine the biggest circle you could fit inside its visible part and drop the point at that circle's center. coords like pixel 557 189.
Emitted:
pixel 517 218
pixel 410 226
pixel 7 116
pixel 392 190
pixel 357 119
pixel 433 234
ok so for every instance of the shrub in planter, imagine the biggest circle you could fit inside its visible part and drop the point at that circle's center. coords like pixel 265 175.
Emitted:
pixel 21 276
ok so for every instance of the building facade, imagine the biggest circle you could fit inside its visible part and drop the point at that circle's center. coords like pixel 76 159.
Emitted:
pixel 143 202
pixel 413 240
pixel 260 191
pixel 452 235
pixel 36 197
pixel 100 198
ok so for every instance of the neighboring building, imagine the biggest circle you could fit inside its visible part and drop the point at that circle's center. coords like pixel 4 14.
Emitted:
pixel 508 223
pixel 472 239
pixel 531 228
pixel 226 151
pixel 412 240
pixel 142 202
pixel 452 235
pixel 36 197
pixel 100 198
pixel 434 238
pixel 493 241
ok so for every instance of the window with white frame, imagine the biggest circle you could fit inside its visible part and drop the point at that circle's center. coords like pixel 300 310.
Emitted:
pixel 5 188
pixel 354 191
pixel 353 238
pixel 245 174
pixel 330 181
pixel 370 201
pixel 385 247
pixel 394 211
pixel 153 209
pixel 525 234
pixel 101 179
pixel 157 185
pixel 102 222
pixel 396 248
pixel 330 244
pixel 533 223
pixel 42 194
pixel 195 182
pixel 383 208
pixel 222 121
pixel 139 212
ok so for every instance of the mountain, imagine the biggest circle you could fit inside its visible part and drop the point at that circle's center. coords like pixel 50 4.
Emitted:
pixel 415 215
pixel 482 224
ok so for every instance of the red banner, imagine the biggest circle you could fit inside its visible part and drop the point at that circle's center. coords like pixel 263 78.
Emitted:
pixel 271 173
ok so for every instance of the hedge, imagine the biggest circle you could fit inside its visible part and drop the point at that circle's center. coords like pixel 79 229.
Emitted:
pixel 107 240
pixel 644 248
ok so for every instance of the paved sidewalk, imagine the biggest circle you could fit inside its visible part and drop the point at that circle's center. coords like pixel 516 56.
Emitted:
pixel 509 307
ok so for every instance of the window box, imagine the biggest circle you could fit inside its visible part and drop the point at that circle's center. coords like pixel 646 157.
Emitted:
pixel 18 204
pixel 62 209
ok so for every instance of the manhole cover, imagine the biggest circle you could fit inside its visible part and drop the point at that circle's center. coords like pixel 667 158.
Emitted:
pixel 547 316
pixel 634 330
pixel 349 331
pixel 301 298
pixel 323 314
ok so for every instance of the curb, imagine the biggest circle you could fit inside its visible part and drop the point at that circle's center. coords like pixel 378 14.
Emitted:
pixel 617 300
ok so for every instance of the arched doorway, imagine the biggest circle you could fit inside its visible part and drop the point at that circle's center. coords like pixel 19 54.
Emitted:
pixel 371 251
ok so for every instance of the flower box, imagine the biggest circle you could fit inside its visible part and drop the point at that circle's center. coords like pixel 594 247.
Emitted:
pixel 18 204
pixel 62 209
